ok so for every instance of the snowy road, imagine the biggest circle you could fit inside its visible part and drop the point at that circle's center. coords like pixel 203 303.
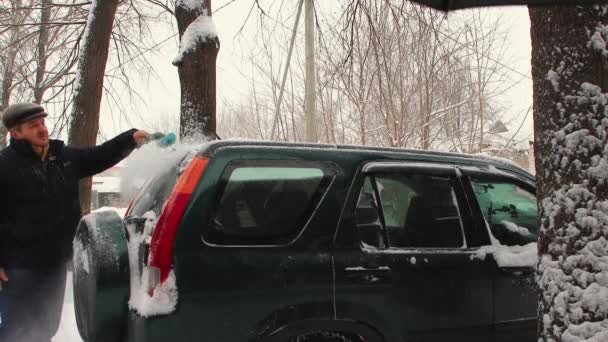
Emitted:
pixel 68 332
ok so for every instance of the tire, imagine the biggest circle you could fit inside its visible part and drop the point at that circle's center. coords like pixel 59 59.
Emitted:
pixel 101 277
pixel 325 336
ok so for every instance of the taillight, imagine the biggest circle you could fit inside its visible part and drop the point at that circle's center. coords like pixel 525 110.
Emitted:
pixel 163 238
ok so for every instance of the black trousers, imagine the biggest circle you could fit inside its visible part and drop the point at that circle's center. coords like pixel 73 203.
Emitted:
pixel 31 303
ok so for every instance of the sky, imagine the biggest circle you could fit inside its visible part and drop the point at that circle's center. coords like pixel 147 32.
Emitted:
pixel 160 94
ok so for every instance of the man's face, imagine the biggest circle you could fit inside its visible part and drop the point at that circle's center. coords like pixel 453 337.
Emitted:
pixel 34 131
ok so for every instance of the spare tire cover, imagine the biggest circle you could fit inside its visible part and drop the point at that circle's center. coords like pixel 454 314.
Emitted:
pixel 101 277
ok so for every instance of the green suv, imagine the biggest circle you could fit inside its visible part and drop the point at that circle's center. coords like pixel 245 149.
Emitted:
pixel 276 242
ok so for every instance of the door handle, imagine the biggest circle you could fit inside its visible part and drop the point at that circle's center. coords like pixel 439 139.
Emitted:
pixel 379 269
pixel 369 275
pixel 518 270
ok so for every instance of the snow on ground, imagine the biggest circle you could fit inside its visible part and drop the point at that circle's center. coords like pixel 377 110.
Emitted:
pixel 68 331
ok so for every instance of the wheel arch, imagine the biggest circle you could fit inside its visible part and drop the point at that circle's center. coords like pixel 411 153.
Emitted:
pixel 305 326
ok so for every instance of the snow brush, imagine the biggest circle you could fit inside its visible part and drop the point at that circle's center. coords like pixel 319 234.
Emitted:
pixel 163 140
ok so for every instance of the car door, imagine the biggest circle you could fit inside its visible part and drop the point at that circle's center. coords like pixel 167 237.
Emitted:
pixel 508 208
pixel 403 260
pixel 255 268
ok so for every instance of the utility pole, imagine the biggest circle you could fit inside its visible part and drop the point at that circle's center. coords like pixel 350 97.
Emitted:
pixel 277 111
pixel 310 105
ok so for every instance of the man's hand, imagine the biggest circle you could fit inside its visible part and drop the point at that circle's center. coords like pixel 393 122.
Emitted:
pixel 3 277
pixel 140 137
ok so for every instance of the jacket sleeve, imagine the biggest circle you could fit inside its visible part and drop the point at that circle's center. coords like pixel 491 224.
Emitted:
pixel 3 223
pixel 2 243
pixel 93 160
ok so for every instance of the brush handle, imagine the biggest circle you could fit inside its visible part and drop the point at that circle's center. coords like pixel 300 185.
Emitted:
pixel 155 136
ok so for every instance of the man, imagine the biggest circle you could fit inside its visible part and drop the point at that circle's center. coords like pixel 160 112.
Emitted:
pixel 39 212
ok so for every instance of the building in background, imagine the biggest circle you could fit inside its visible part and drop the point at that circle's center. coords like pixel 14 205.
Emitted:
pixel 106 189
pixel 524 157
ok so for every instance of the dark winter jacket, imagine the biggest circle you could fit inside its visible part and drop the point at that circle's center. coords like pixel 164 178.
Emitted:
pixel 39 202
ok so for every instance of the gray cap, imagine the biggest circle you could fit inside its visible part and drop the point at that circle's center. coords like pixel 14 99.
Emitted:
pixel 20 113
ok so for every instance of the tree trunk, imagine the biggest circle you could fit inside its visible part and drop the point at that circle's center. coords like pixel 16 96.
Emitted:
pixel 8 73
pixel 570 75
pixel 426 123
pixel 43 39
pixel 7 84
pixel 199 45
pixel 89 83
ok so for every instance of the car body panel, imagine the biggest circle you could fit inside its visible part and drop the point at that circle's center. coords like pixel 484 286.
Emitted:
pixel 515 288
pixel 422 294
pixel 253 293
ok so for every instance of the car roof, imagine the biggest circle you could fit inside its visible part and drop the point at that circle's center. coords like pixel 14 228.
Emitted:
pixel 479 160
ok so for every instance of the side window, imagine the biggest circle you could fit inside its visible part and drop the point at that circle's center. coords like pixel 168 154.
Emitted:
pixel 367 215
pixel 417 211
pixel 267 203
pixel 509 210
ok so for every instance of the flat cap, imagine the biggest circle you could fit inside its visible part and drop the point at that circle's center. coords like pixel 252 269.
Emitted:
pixel 20 113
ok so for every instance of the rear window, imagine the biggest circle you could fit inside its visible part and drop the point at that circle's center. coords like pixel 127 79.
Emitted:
pixel 153 195
pixel 156 190
pixel 267 202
